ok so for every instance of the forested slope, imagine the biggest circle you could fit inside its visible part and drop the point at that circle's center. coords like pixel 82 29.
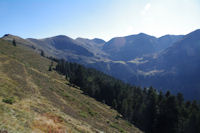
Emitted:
pixel 148 109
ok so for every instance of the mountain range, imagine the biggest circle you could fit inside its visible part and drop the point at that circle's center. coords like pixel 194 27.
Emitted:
pixel 133 46
pixel 168 62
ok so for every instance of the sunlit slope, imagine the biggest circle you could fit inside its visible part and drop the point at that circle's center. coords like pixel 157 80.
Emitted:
pixel 42 100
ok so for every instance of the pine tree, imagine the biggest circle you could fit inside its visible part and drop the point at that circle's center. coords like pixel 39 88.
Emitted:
pixel 50 66
pixel 149 110
pixel 14 42
pixel 42 53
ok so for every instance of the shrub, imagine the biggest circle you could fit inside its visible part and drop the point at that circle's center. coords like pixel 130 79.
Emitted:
pixel 8 100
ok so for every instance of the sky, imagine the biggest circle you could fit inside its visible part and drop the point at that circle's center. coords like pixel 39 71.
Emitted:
pixel 98 18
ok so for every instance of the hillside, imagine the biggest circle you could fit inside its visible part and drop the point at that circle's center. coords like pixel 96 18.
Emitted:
pixel 43 101
pixel 133 46
pixel 175 69
pixel 62 42
pixel 170 62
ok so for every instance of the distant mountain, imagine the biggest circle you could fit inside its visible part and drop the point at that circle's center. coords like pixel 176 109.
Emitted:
pixel 98 41
pixel 94 45
pixel 130 47
pixel 62 42
pixel 176 68
pixel 167 41
pixel 95 41
pixel 94 50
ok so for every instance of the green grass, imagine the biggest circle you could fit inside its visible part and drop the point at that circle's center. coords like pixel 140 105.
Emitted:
pixel 9 100
pixel 118 128
pixel 91 112
pixel 83 114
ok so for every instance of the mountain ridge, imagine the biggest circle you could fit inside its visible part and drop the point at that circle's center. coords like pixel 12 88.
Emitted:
pixel 135 68
pixel 177 66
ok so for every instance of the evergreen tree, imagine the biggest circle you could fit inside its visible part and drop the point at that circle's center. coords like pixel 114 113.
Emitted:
pixel 149 110
pixel 42 53
pixel 14 42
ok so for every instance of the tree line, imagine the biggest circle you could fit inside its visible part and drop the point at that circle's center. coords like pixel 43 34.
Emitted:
pixel 146 108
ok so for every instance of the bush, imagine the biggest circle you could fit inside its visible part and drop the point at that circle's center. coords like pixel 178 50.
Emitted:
pixel 8 100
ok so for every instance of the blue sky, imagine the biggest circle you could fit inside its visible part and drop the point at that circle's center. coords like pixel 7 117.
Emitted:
pixel 98 18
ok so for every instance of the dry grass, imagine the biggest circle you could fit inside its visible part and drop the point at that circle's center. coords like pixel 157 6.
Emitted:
pixel 43 100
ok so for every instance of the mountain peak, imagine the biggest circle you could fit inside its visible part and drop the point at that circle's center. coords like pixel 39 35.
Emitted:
pixel 98 40
pixel 142 34
pixel 61 37
pixel 9 36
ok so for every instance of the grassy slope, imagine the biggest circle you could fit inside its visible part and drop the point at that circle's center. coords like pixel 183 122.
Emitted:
pixel 43 100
